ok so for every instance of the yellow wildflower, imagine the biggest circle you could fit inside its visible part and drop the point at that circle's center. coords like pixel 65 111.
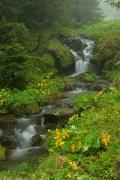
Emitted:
pixel 50 150
pixel 75 116
pixel 106 138
pixel 57 134
pixel 73 165
pixel 68 175
pixel 59 143
pixel 65 134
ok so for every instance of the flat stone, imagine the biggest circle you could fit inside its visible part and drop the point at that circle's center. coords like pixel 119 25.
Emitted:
pixel 60 112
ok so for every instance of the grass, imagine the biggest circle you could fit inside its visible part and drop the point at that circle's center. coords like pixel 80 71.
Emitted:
pixel 98 30
pixel 85 148
pixel 96 132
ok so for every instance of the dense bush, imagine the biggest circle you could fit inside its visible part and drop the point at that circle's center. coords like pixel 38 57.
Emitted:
pixel 13 60
pixel 90 77
pixel 112 75
pixel 16 101
pixel 14 32
pixel 107 52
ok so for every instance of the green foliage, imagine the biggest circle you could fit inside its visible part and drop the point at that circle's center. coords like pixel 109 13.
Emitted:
pixel 13 60
pixel 107 51
pixel 112 75
pixel 11 32
pixel 17 101
pixel 112 96
pixel 85 12
pixel 63 59
pixel 99 30
pixel 90 77
pixel 91 137
pixel 84 101
pixel 2 153
pixel 39 14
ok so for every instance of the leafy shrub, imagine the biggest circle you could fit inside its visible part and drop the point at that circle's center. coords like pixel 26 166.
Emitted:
pixel 101 29
pixel 90 77
pixel 112 75
pixel 11 32
pixel 13 60
pixel 84 101
pixel 39 93
pixel 111 97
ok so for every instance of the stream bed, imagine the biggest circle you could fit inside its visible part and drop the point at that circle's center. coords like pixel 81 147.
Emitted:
pixel 25 138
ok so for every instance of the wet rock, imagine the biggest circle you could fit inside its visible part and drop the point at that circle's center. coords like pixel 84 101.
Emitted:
pixel 36 140
pixel 59 112
pixel 7 119
pixel 43 137
pixel 8 142
pixel 95 87
pixel 75 44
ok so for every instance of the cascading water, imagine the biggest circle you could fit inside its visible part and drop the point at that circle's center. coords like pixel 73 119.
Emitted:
pixel 1 133
pixel 24 133
pixel 82 63
pixel 26 136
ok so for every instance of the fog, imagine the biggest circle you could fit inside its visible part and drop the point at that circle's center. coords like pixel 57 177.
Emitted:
pixel 108 11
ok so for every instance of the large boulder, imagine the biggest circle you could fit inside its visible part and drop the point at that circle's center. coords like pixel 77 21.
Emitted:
pixel 64 61
pixel 75 44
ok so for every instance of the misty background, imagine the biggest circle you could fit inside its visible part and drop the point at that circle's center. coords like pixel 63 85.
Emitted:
pixel 108 11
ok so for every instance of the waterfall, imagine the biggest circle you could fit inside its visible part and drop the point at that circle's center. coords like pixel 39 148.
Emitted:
pixel 1 133
pixel 82 63
pixel 24 133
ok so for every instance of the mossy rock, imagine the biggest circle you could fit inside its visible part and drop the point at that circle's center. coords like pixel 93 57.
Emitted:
pixel 75 44
pixel 30 108
pixel 107 52
pixel 64 60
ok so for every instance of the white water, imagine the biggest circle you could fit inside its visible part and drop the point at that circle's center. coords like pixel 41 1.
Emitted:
pixel 1 133
pixel 23 134
pixel 82 63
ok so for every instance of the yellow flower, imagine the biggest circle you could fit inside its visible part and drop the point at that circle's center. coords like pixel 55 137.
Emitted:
pixel 57 134
pixel 59 143
pixel 65 134
pixel 106 138
pixel 50 150
pixel 72 148
pixel 49 130
pixel 68 175
pixel 75 116
pixel 73 165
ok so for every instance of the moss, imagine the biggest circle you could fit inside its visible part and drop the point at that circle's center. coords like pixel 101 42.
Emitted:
pixel 64 61
pixel 107 52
